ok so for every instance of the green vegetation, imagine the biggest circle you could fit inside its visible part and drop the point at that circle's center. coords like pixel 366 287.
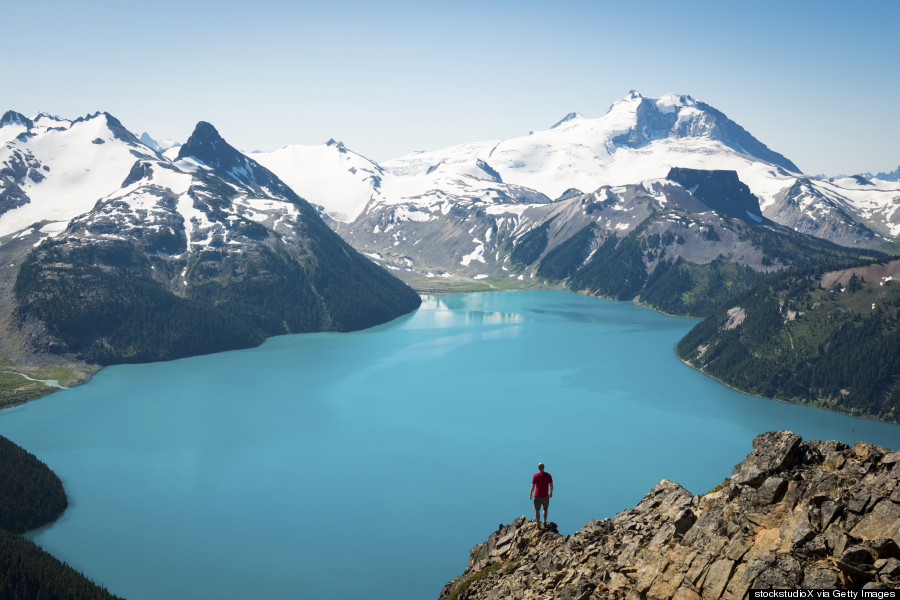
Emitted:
pixel 28 573
pixel 562 262
pixel 793 339
pixel 684 288
pixel 468 581
pixel 16 389
pixel 637 266
pixel 725 483
pixel 111 303
pixel 32 496
pixel 531 245
pixel 787 247
pixel 616 270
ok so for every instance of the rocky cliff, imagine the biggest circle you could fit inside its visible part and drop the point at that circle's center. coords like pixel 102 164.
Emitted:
pixel 793 514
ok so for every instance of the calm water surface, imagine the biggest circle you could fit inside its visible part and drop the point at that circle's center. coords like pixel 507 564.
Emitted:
pixel 343 466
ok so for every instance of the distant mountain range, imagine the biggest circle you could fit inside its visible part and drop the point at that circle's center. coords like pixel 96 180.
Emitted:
pixel 886 176
pixel 123 255
pixel 664 200
pixel 639 139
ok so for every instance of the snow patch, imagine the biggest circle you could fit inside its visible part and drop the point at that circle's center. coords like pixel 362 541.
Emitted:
pixel 476 254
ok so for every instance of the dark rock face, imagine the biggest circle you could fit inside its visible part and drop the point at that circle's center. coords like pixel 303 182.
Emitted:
pixel 816 515
pixel 11 117
pixel 719 190
pixel 489 170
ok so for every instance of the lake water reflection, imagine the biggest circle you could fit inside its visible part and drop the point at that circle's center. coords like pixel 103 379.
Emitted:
pixel 339 466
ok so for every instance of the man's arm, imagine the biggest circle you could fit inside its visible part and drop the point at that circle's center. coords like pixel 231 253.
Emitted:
pixel 531 491
pixel 551 489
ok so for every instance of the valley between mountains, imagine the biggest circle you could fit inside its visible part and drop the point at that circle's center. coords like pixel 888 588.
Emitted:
pixel 117 248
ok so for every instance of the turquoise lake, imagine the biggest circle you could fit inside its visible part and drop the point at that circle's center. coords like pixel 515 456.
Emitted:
pixel 366 465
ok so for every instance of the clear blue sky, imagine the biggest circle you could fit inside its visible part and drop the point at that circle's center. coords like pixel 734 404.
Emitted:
pixel 817 81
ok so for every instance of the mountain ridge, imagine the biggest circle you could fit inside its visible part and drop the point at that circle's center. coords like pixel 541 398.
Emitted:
pixel 793 514
pixel 818 336
pixel 207 253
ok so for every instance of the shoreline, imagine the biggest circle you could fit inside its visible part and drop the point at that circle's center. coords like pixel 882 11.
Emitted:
pixel 53 383
pixel 782 400
pixel 478 288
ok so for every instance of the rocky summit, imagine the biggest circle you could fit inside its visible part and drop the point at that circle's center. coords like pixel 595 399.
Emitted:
pixel 794 514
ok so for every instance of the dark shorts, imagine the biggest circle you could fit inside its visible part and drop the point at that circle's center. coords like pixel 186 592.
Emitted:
pixel 539 502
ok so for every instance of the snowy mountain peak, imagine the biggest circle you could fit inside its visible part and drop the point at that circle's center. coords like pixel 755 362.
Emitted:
pixel 158 145
pixel 207 146
pixel 337 145
pixel 11 117
pixel 569 117
pixel 148 141
pixel 674 102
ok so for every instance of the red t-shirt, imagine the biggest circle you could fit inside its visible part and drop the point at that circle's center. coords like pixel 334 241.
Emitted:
pixel 541 482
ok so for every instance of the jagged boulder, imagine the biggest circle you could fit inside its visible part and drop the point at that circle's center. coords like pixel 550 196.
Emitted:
pixel 816 515
pixel 772 453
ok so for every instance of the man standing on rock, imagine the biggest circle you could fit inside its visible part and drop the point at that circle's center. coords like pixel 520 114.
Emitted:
pixel 542 489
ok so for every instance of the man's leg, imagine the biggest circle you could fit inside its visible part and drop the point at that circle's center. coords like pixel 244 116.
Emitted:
pixel 545 514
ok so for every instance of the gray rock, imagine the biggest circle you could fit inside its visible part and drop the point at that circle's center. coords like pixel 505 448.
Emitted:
pixel 836 540
pixel 707 533
pixel 859 555
pixel 828 511
pixel 772 452
pixel 882 522
pixel 891 458
pixel 858 503
pixel 802 534
pixel 771 490
pixel 717 578
pixel 888 566
pixel 785 573
pixel 820 579
pixel 817 546
pixel 875 585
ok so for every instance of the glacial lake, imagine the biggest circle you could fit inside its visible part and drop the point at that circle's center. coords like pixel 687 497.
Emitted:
pixel 366 465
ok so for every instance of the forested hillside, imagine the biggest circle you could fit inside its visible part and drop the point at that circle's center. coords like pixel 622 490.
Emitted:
pixel 826 338
pixel 184 261
pixel 31 495
pixel 650 264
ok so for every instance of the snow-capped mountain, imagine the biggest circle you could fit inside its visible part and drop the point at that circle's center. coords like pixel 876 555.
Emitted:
pixel 705 225
pixel 208 252
pixel 161 146
pixel 52 170
pixel 473 211
pixel 851 211
pixel 883 175
pixel 638 139
pixel 328 175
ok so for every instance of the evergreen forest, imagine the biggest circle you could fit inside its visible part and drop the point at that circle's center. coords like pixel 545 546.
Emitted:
pixel 796 337
pixel 31 496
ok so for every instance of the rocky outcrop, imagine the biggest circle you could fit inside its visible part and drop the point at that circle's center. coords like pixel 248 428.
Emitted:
pixel 793 514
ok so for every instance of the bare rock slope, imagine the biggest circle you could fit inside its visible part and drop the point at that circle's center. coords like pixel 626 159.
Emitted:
pixel 793 514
